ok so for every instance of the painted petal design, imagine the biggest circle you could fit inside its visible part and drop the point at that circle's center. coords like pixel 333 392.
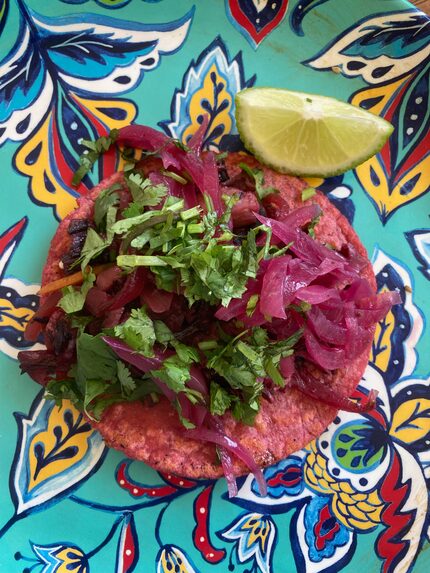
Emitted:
pixel 9 240
pixel 390 52
pixel 359 446
pixel 319 541
pixel 370 50
pixel 56 451
pixel 405 493
pixel 208 87
pixel 18 301
pixel 419 241
pixel 400 173
pixel 285 477
pixel 201 534
pixel 328 471
pixel 411 418
pixel 354 496
pixel 48 76
pixel 393 350
pixel 149 491
pixel 411 421
pixel 286 487
pixel 26 88
pixel 255 19
pixel 255 537
pixel 50 157
pixel 61 558
pixel 171 558
pixel 104 55
pixel 127 554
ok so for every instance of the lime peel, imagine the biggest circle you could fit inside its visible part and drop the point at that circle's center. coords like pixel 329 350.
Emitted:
pixel 306 134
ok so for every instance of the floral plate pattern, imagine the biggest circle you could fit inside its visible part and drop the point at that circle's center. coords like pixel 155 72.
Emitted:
pixel 72 69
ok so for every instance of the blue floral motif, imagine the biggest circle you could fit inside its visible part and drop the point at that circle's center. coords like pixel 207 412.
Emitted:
pixel 208 87
pixel 419 241
pixel 54 89
pixel 359 445
pixel 284 478
pixel 255 537
pixel 87 52
pixel 324 533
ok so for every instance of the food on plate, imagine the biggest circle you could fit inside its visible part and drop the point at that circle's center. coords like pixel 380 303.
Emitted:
pixel 307 134
pixel 207 314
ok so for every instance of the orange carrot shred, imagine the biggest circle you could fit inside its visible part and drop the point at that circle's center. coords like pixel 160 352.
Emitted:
pixel 70 280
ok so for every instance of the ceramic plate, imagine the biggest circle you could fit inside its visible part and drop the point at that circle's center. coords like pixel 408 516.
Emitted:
pixel 357 496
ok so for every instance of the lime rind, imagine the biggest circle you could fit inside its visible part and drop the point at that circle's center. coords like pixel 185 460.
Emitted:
pixel 286 104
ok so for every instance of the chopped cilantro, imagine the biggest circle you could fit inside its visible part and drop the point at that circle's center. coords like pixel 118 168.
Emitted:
pixel 92 154
pixel 220 399
pixel 258 176
pixel 107 198
pixel 73 298
pixel 308 193
pixel 252 304
pixel 93 247
pixel 138 332
pixel 128 385
pixel 143 191
pixel 312 225
pixel 95 360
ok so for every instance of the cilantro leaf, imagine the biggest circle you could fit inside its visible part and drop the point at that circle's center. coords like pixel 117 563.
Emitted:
pixel 220 399
pixel 92 154
pixel 174 373
pixel 107 198
pixel 128 385
pixel 95 360
pixel 258 176
pixel 59 390
pixel 245 412
pixel 184 421
pixel 143 191
pixel 308 193
pixel 138 332
pixel 133 210
pixel 93 389
pixel 73 298
pixel 93 247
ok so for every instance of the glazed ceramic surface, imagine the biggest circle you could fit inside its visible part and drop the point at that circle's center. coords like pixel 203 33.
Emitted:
pixel 357 496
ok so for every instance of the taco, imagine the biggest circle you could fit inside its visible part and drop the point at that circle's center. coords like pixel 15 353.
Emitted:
pixel 224 312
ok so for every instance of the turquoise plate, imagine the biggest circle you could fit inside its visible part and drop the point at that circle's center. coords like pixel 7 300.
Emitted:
pixel 357 496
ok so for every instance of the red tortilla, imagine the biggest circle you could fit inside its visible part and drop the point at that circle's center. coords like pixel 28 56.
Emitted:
pixel 154 434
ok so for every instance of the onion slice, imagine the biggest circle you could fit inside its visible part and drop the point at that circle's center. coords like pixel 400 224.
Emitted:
pixel 233 446
pixel 311 386
pixel 142 137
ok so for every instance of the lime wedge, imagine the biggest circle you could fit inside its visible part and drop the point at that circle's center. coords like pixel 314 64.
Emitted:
pixel 304 134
